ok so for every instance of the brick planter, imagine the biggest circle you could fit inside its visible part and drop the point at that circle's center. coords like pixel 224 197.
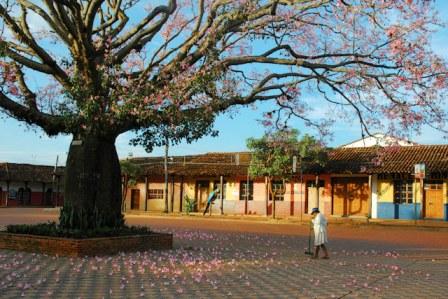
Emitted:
pixel 85 247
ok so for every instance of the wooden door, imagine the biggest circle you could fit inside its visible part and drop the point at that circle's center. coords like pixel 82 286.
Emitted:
pixel 350 196
pixel 202 190
pixel 135 199
pixel 339 195
pixel 358 197
pixel 434 200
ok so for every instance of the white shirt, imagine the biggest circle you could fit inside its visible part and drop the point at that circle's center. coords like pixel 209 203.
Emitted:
pixel 320 229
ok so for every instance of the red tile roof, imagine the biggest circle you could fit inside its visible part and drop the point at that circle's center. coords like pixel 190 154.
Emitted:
pixel 210 164
pixel 27 172
pixel 341 161
pixel 389 160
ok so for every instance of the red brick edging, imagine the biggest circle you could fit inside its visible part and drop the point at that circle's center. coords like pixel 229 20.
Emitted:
pixel 84 247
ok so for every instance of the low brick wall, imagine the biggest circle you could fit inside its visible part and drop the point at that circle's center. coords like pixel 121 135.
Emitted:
pixel 85 247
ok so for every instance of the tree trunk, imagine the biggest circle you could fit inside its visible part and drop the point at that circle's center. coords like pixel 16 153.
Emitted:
pixel 124 186
pixel 92 196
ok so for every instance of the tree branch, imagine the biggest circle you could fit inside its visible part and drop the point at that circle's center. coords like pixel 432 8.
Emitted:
pixel 52 125
pixel 136 35
pixel 31 43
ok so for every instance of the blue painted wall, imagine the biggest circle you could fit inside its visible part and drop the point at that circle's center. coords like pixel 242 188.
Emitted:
pixel 386 210
pixel 446 212
pixel 389 210
pixel 407 211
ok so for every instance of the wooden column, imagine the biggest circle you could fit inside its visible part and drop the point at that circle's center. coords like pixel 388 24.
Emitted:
pixel 146 192
pixel 221 187
pixel 266 193
pixel 317 192
pixel 181 199
pixel 7 193
pixel 43 195
pixel 292 199
pixel 172 194
pixel 165 167
pixel 57 190
pixel 247 193
pixel 369 204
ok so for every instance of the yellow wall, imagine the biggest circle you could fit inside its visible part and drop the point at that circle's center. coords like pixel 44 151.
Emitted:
pixel 156 204
pixel 385 191
pixel 417 192
pixel 445 195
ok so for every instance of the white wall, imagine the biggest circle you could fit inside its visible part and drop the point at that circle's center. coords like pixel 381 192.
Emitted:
pixel 374 196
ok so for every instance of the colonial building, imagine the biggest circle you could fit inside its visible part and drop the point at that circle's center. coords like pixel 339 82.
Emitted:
pixel 30 185
pixel 374 182
pixel 379 139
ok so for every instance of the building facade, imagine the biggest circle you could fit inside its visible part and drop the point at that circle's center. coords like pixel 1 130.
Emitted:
pixel 368 182
pixel 30 185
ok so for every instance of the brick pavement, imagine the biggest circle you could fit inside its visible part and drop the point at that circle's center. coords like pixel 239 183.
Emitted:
pixel 211 264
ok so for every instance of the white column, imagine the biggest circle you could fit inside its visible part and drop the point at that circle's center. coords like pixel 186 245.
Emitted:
pixel 374 196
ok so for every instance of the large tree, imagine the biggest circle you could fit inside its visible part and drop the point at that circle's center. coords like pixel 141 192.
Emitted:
pixel 98 68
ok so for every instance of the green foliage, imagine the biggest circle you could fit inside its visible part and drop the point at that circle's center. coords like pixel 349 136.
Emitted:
pixel 190 204
pixel 312 151
pixel 131 171
pixel 51 229
pixel 187 126
pixel 272 155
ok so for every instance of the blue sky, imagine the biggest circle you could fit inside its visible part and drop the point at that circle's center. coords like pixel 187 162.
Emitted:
pixel 21 144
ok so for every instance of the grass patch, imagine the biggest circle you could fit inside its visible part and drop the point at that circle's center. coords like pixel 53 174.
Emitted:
pixel 51 229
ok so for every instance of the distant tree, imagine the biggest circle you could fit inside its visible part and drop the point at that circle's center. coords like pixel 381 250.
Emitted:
pixel 272 157
pixel 129 173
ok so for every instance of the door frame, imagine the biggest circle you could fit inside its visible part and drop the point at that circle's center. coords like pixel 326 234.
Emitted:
pixel 439 182
pixel 357 180
pixel 202 183
pixel 134 191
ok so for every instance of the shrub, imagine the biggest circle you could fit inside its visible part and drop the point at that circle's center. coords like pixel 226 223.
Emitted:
pixel 190 204
pixel 51 229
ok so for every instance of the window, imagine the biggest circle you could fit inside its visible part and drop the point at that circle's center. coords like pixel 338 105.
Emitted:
pixel 403 192
pixel 244 189
pixel 155 193
pixel 433 185
pixel 278 189
pixel 217 184
pixel 12 194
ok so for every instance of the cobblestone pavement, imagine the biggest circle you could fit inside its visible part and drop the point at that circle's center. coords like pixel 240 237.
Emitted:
pixel 210 264
pixel 234 259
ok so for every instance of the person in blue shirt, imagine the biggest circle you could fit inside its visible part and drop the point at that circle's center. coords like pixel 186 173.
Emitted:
pixel 211 198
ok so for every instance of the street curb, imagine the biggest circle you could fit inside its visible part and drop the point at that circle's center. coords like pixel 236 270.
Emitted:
pixel 355 222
